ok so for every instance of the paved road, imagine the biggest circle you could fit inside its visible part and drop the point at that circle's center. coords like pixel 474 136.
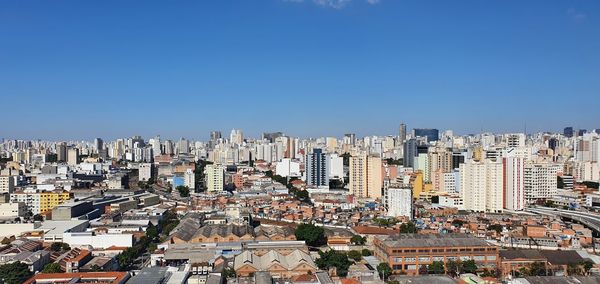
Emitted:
pixel 589 219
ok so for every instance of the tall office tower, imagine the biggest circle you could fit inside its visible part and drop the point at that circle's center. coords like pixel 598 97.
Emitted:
pixel 317 169
pixel 514 191
pixel 553 143
pixel 482 185
pixel 365 176
pixel 73 156
pixel 215 135
pixel 430 133
pixel 515 140
pixel 410 152
pixel 402 133
pixel 540 181
pixel 349 139
pixel 398 201
pixel 271 136
pixel 156 146
pixel 568 132
pixel 214 178
pixel 236 137
pixel 98 145
pixel 580 132
pixel 119 149
pixel 61 152
pixel 137 140
pixel 183 146
pixel 168 147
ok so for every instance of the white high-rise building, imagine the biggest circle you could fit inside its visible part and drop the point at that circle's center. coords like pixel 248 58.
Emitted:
pixel 145 171
pixel 336 166
pixel 398 202
pixel 7 184
pixel 482 185
pixel 214 178
pixel 540 181
pixel 287 168
pixel 514 195
pixel 236 137
pixel 189 179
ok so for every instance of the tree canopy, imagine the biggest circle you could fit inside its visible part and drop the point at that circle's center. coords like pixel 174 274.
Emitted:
pixel 14 273
pixel 333 258
pixel 313 235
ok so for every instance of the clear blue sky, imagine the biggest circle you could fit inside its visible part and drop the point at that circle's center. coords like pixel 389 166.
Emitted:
pixel 84 69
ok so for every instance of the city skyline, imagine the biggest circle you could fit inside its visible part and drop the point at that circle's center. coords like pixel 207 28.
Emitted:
pixel 73 69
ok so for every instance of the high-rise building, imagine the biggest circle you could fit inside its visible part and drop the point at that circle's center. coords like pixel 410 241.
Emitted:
pixel 482 185
pixel 514 191
pixel 430 133
pixel 236 137
pixel 317 169
pixel 73 156
pixel 214 178
pixel 271 136
pixel 349 139
pixel 61 152
pixel 98 145
pixel 410 152
pixel 398 201
pixel 7 184
pixel 540 181
pixel 145 171
pixel 402 133
pixel 515 140
pixel 183 146
pixel 189 179
pixel 365 176
pixel 215 135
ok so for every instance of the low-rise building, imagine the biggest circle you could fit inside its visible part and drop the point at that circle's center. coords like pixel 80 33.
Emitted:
pixel 406 253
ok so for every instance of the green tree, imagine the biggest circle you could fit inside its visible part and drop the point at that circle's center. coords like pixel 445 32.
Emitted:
pixel 14 273
pixel 52 268
pixel 336 183
pixel 573 269
pixel 437 267
pixel 58 246
pixel 358 240
pixel 587 266
pixel 495 227
pixel 333 258
pixel 355 255
pixel 384 270
pixel 408 228
pixel 453 268
pixel 366 252
pixel 458 223
pixel 152 232
pixel 313 235
pixel 38 217
pixel 95 268
pixel 469 266
pixel 184 191
pixel 228 273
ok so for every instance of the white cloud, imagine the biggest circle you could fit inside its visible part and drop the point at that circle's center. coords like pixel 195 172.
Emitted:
pixel 336 4
pixel 576 15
